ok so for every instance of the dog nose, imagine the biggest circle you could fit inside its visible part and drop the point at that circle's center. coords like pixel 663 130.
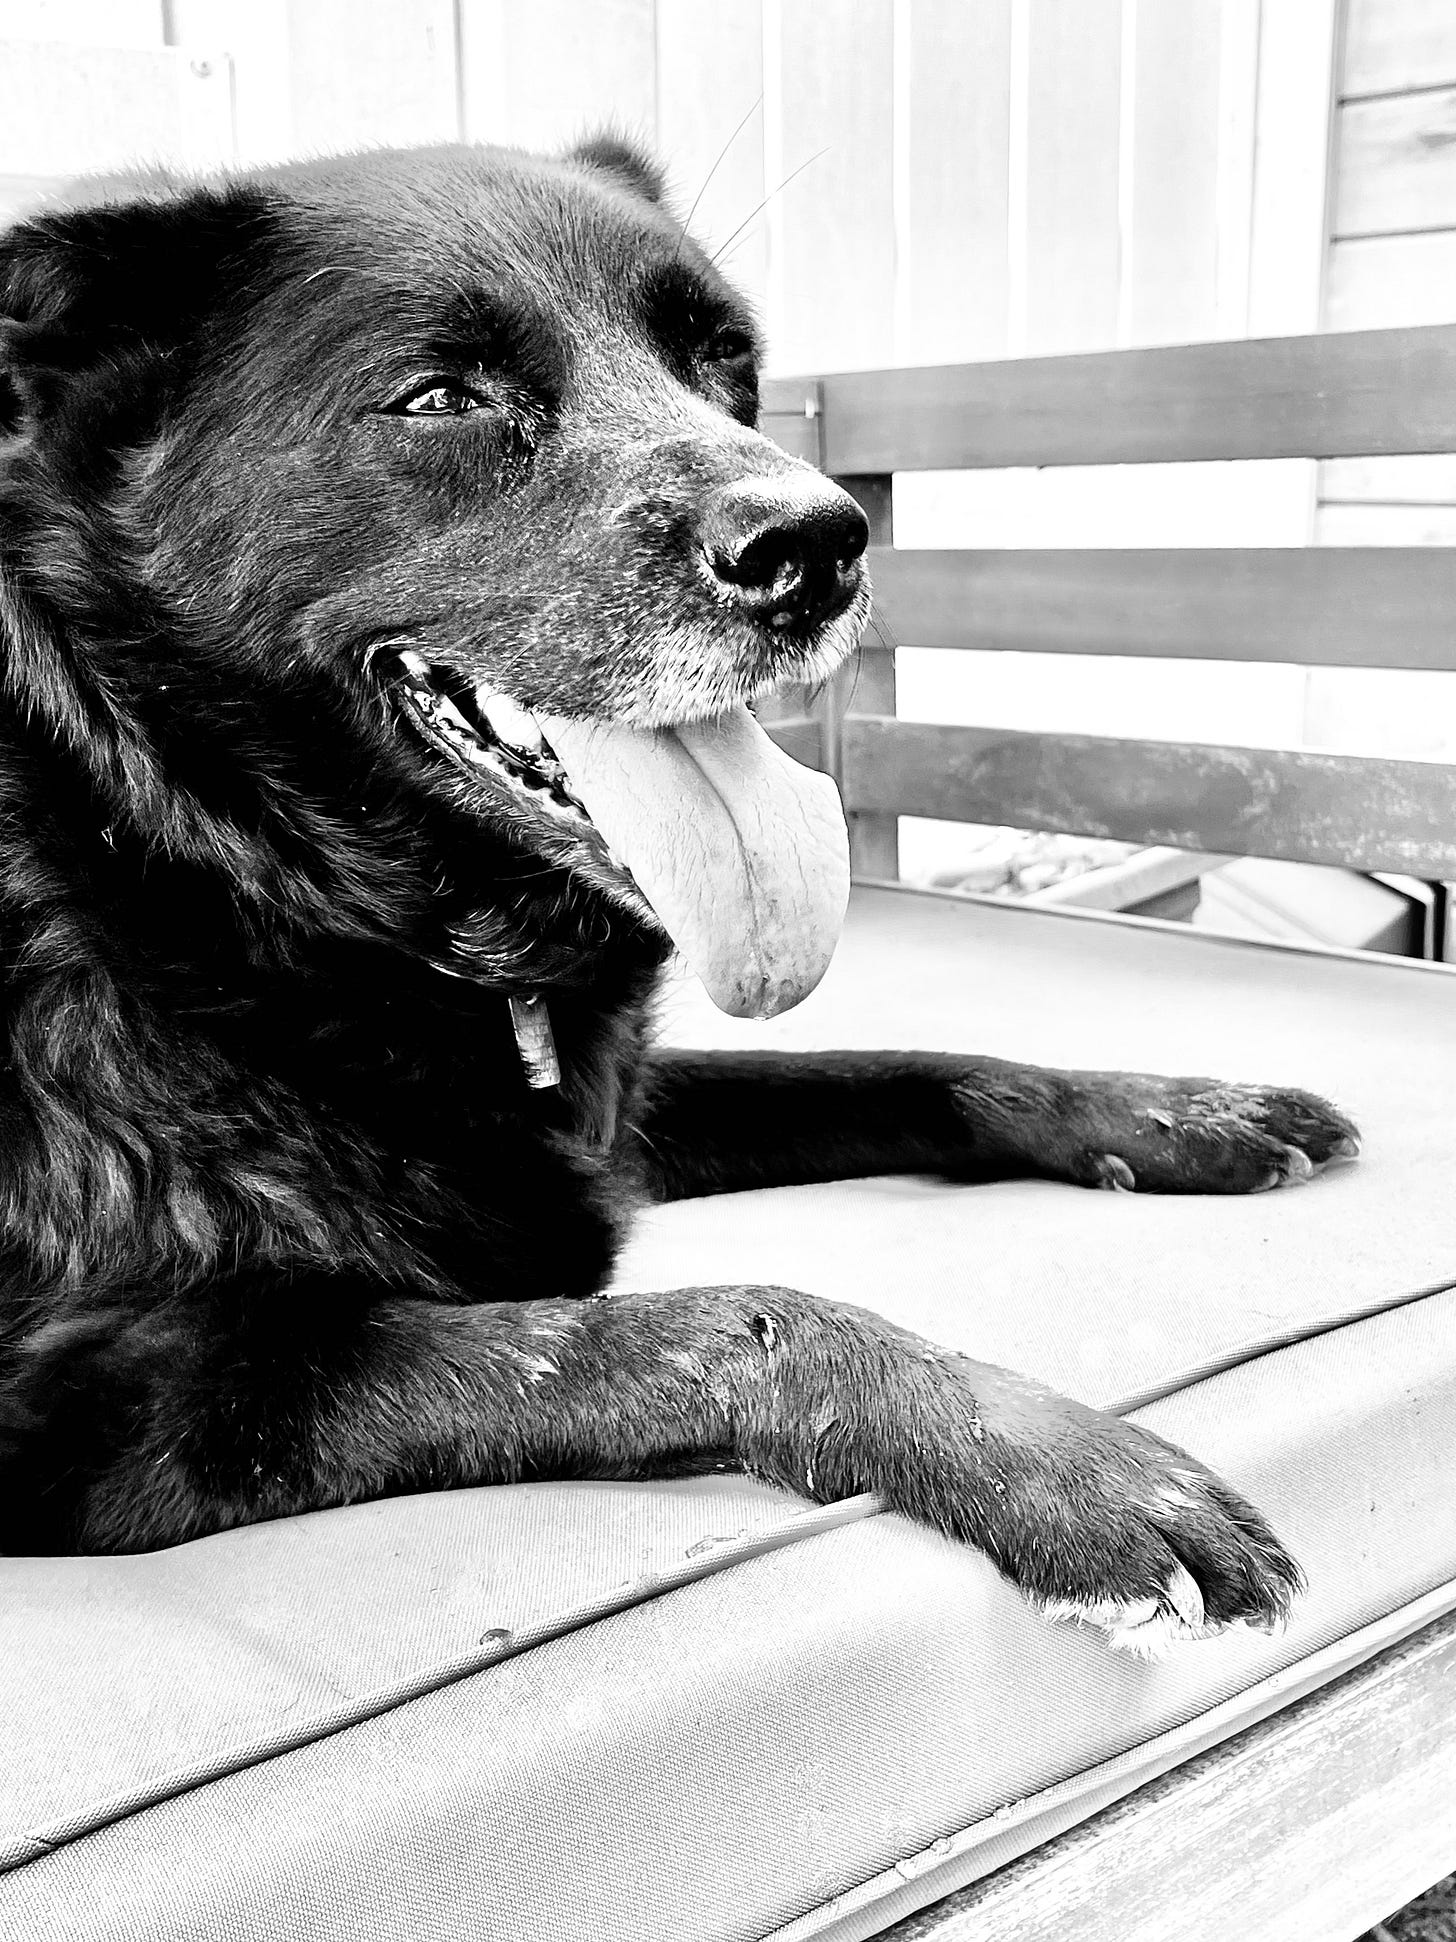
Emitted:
pixel 787 547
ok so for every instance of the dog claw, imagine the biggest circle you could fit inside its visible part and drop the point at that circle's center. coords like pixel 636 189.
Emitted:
pixel 1297 1166
pixel 1115 1175
pixel 1345 1149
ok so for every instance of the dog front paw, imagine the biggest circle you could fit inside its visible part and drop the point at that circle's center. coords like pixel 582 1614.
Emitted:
pixel 1098 1519
pixel 1165 1550
pixel 1135 1132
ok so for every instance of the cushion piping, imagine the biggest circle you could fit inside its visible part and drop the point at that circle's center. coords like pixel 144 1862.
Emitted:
pixel 31 1845
pixel 34 1844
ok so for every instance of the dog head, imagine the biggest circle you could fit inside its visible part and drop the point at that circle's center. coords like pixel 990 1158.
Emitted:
pixel 455 450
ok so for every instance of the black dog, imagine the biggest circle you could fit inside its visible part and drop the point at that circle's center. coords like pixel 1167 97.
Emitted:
pixel 388 557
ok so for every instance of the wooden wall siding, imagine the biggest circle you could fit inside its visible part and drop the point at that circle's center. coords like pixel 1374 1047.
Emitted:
pixel 1393 224
pixel 1392 260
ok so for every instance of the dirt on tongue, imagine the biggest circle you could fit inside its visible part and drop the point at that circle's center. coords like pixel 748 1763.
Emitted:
pixel 741 851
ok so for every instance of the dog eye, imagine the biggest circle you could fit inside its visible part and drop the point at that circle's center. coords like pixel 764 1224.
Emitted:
pixel 728 347
pixel 439 399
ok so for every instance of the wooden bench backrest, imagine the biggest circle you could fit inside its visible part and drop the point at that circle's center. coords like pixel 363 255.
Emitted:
pixel 1345 395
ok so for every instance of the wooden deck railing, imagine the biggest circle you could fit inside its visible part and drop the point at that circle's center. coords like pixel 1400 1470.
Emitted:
pixel 1349 395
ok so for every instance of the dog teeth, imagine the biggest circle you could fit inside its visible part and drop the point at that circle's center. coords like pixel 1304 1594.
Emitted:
pixel 516 726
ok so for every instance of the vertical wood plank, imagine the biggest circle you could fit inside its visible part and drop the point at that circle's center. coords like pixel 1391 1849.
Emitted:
pixel 1297 49
pixel 1238 100
pixel 540 75
pixel 1172 267
pixel 867 687
pixel 710 128
pixel 831 228
pixel 1072 230
pixel 954 253
pixel 371 71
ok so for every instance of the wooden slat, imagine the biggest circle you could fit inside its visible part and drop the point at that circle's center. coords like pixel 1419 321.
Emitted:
pixel 1392 607
pixel 1396 167
pixel 1332 396
pixel 1364 813
pixel 1308 1827
pixel 1395 44
pixel 791 413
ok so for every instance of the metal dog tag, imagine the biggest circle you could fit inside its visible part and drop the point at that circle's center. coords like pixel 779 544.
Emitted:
pixel 531 1023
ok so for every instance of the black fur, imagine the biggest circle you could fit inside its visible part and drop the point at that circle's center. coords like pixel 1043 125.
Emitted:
pixel 281 1223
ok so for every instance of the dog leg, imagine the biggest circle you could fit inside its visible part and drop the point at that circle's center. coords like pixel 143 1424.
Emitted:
pixel 332 1400
pixel 719 1122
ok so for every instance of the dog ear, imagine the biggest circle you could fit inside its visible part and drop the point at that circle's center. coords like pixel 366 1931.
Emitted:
pixel 112 286
pixel 614 155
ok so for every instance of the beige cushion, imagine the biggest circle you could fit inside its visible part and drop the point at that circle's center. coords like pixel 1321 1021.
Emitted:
pixel 702 1708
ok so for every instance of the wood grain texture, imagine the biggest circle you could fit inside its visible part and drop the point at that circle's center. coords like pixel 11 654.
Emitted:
pixel 1356 811
pixel 1395 44
pixel 1309 1827
pixel 1321 607
pixel 1331 396
pixel 1396 164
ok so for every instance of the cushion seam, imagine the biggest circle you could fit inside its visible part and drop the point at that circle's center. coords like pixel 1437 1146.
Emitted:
pixel 816 1522
pixel 1273 1344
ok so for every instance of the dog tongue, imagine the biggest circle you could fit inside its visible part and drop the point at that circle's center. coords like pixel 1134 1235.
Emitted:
pixel 741 851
